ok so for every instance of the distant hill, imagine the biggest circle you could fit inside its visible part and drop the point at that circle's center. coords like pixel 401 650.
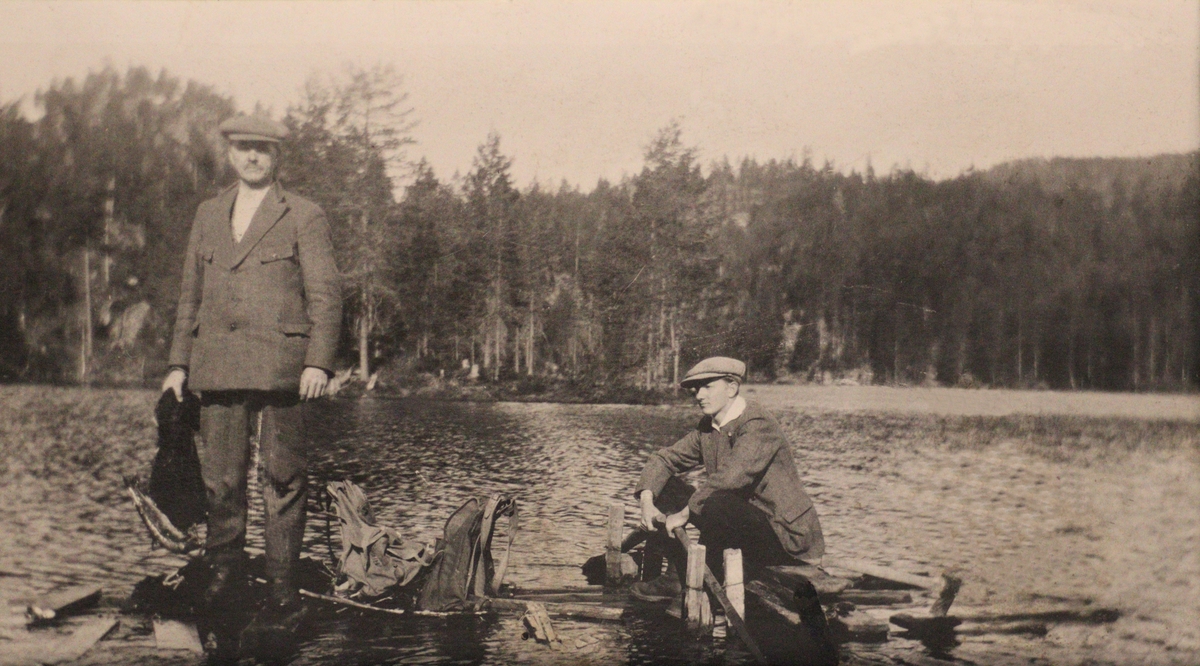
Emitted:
pixel 1105 175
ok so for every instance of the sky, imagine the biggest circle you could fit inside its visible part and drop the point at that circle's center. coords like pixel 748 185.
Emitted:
pixel 577 89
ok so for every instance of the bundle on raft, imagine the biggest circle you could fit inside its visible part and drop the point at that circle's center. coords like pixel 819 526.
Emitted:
pixel 455 574
pixel 375 568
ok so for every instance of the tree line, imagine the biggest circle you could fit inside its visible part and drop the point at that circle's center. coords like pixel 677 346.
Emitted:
pixel 1062 273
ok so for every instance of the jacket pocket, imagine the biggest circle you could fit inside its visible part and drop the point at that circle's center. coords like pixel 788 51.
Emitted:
pixel 277 254
pixel 295 328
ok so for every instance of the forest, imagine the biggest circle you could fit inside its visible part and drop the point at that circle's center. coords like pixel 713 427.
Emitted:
pixel 1063 273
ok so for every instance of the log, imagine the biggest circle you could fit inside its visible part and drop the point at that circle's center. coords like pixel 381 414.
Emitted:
pixel 871 597
pixel 580 611
pixel 786 576
pixel 769 598
pixel 920 624
pixel 1066 614
pixel 176 635
pixel 985 628
pixel 889 574
pixel 63 602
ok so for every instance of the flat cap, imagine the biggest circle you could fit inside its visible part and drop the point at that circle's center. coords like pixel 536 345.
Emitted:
pixel 715 367
pixel 253 128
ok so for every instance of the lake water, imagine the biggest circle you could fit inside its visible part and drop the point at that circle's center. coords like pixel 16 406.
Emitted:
pixel 1020 526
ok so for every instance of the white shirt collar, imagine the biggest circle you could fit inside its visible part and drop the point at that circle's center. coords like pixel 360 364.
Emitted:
pixel 735 410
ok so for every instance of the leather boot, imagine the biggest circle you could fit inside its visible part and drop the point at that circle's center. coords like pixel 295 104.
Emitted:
pixel 666 587
pixel 227 572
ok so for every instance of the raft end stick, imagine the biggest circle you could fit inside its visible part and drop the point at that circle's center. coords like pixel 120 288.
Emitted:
pixel 612 550
pixel 735 588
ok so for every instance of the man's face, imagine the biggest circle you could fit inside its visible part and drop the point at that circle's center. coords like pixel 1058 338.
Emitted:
pixel 254 161
pixel 714 395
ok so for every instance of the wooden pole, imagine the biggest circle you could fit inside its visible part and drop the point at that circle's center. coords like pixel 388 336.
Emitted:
pixel 612 550
pixel 695 602
pixel 734 583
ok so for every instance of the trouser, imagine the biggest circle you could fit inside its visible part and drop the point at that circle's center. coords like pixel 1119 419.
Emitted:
pixel 226 421
pixel 728 521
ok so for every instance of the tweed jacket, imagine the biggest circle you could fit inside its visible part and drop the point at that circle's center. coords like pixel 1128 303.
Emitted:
pixel 254 314
pixel 750 456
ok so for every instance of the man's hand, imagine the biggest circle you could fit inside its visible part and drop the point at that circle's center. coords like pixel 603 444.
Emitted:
pixel 312 383
pixel 678 519
pixel 174 382
pixel 650 513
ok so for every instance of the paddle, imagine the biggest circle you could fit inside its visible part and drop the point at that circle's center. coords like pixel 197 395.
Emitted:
pixel 731 614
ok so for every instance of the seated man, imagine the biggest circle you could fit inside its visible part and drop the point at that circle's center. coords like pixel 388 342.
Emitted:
pixel 751 499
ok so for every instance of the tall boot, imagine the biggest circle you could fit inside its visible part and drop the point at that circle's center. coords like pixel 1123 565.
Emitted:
pixel 272 634
pixel 227 572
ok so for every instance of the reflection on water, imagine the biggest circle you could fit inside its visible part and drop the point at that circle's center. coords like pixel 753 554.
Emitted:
pixel 1017 525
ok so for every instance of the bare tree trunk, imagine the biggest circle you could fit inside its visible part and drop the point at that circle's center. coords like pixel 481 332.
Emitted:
pixel 1151 343
pixel 109 207
pixel 1137 339
pixel 364 322
pixel 497 342
pixel 1020 348
pixel 529 343
pixel 674 357
pixel 518 341
pixel 85 346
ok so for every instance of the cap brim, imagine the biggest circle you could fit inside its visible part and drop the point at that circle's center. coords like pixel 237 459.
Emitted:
pixel 704 377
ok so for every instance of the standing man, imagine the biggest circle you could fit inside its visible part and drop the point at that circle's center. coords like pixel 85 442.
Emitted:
pixel 752 498
pixel 255 334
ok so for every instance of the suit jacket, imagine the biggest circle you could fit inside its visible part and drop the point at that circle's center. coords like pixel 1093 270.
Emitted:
pixel 253 314
pixel 750 456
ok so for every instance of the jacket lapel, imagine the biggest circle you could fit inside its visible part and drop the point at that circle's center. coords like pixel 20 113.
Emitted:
pixel 269 211
pixel 219 235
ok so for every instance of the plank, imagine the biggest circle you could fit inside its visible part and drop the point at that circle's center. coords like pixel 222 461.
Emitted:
pixel 63 602
pixel 889 574
pixel 561 597
pixel 73 646
pixel 581 611
pixel 580 589
pixel 176 635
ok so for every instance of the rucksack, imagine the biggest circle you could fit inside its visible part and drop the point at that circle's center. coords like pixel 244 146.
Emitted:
pixel 463 572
